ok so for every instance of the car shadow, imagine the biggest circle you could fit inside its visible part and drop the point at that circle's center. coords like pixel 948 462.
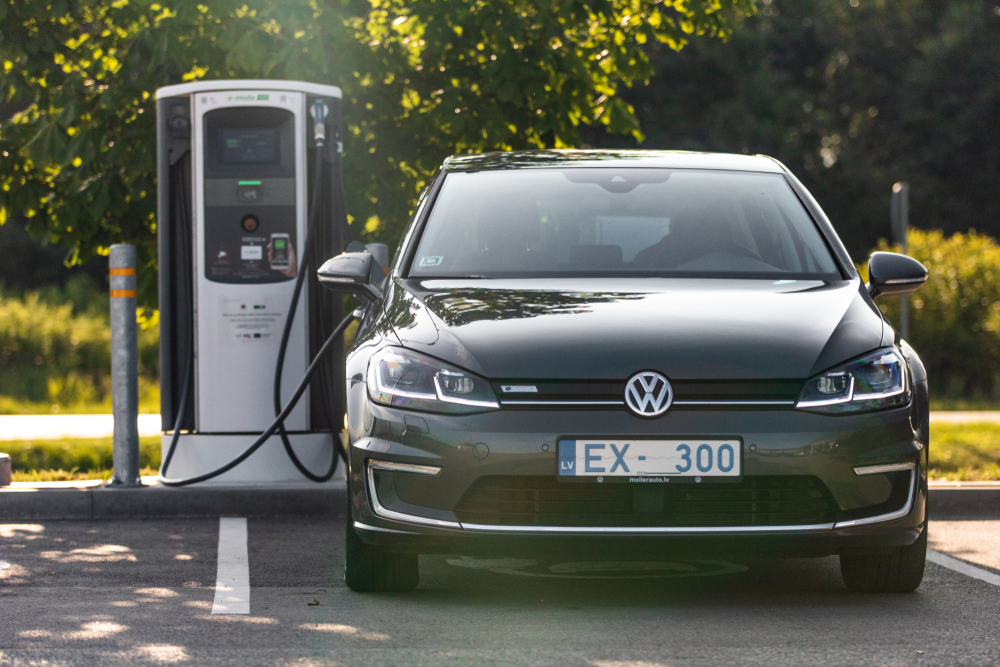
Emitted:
pixel 629 583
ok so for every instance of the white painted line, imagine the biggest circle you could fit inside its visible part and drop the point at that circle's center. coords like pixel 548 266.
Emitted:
pixel 962 567
pixel 51 427
pixel 232 583
pixel 965 417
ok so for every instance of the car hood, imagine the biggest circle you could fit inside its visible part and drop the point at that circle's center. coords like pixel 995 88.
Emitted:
pixel 602 329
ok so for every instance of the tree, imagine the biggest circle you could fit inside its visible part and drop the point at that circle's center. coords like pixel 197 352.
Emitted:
pixel 852 96
pixel 960 304
pixel 950 115
pixel 422 79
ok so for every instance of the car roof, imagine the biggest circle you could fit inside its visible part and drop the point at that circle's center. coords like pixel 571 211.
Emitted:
pixel 612 158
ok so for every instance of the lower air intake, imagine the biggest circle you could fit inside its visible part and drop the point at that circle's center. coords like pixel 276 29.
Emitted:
pixel 544 501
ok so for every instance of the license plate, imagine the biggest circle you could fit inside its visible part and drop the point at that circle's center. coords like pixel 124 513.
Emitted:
pixel 625 457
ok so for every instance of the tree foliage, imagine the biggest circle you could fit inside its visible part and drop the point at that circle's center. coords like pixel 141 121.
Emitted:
pixel 852 95
pixel 422 79
pixel 955 316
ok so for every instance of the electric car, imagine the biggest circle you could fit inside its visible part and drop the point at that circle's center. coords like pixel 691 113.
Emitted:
pixel 633 353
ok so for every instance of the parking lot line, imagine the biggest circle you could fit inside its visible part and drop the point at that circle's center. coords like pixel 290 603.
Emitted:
pixel 51 427
pixel 962 567
pixel 232 583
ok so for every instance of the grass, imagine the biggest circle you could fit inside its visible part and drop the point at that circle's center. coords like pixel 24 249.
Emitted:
pixel 73 475
pixel 149 403
pixel 965 452
pixel 73 459
pixel 963 405
pixel 958 452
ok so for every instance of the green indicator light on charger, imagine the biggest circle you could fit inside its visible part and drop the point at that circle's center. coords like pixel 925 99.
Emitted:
pixel 249 183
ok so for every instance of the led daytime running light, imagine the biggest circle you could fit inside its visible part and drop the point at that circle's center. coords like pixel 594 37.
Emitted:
pixel 441 396
pixel 847 398
pixel 402 378
pixel 876 381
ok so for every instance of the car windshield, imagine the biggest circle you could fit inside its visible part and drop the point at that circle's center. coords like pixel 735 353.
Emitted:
pixel 581 222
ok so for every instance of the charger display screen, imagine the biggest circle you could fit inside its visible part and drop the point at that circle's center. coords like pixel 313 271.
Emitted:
pixel 249 145
pixel 250 192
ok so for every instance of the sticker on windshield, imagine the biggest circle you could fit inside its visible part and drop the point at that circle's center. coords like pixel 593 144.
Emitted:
pixel 433 260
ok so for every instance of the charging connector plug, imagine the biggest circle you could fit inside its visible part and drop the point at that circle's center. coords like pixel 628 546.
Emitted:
pixel 318 113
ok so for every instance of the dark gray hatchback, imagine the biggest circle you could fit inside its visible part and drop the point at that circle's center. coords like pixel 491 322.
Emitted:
pixel 631 352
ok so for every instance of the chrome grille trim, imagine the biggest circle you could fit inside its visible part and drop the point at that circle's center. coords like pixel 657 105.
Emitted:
pixel 749 401
pixel 644 531
pixel 405 467
pixel 381 511
pixel 377 529
pixel 898 514
pixel 890 467
pixel 565 402
pixel 680 402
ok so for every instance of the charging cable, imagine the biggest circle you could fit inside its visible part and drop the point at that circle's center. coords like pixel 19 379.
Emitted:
pixel 318 112
pixel 275 425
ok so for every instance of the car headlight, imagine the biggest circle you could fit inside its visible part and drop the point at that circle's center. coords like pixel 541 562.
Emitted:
pixel 406 379
pixel 876 381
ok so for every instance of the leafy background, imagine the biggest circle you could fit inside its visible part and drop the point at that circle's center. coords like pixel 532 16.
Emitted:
pixel 422 79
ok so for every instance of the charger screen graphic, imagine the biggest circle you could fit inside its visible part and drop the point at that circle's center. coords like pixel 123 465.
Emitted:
pixel 249 177
pixel 249 145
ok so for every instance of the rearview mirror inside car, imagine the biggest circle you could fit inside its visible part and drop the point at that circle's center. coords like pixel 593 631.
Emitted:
pixel 892 273
pixel 351 273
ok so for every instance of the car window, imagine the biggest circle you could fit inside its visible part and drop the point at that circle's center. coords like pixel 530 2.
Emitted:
pixel 607 221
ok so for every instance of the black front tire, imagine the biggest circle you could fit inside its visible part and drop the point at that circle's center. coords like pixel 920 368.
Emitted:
pixel 370 569
pixel 898 572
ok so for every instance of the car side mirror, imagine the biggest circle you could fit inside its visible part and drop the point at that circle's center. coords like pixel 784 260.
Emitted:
pixel 351 273
pixel 892 273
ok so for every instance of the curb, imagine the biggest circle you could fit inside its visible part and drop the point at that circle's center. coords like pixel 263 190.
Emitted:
pixel 157 502
pixel 959 502
pixel 100 502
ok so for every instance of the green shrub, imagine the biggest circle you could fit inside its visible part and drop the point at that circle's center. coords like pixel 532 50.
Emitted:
pixel 55 346
pixel 74 454
pixel 955 316
pixel 69 475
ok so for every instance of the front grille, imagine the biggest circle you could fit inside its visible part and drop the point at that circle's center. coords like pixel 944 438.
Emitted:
pixel 688 394
pixel 544 501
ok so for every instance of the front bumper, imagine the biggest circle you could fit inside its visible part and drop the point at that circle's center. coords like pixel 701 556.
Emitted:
pixel 775 442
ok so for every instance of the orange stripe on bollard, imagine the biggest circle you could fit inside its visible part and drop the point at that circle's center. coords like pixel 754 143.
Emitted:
pixel 122 272
pixel 122 293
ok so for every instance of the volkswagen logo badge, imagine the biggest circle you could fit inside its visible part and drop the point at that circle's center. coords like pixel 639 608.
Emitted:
pixel 648 394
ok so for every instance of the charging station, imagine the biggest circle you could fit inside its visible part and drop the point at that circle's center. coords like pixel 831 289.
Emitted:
pixel 247 171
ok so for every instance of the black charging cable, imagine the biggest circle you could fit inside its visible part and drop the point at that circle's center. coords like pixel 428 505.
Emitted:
pixel 312 233
pixel 275 425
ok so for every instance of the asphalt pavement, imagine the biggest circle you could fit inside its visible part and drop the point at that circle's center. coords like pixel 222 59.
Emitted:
pixel 143 592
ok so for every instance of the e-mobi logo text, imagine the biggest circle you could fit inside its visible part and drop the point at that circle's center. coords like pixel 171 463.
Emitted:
pixel 248 98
